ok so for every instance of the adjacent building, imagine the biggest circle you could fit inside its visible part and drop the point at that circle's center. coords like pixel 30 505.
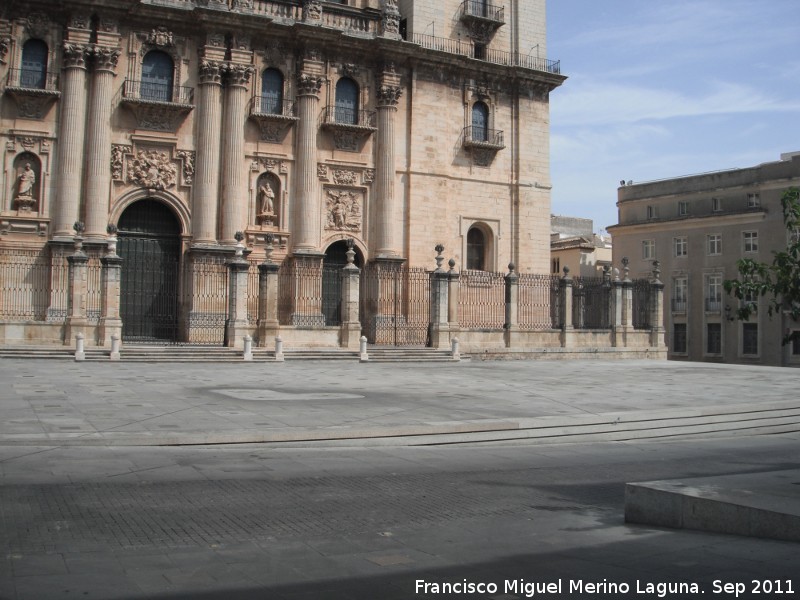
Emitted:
pixel 697 227
pixel 296 127
pixel 575 245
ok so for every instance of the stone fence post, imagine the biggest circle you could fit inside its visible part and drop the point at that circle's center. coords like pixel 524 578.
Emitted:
pixel 78 288
pixel 453 289
pixel 110 322
pixel 511 325
pixel 267 296
pixel 351 283
pixel 439 303
pixel 236 326
pixel 567 330
pixel 656 307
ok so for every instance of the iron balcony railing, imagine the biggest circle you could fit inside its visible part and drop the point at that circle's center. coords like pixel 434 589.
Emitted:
pixel 147 91
pixel 340 116
pixel 482 10
pixel 497 57
pixel 32 79
pixel 270 106
pixel 678 306
pixel 713 305
pixel 482 136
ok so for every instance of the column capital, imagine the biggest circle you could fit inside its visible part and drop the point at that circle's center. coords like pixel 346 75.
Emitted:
pixel 308 85
pixel 210 71
pixel 237 74
pixel 75 55
pixel 105 57
pixel 389 96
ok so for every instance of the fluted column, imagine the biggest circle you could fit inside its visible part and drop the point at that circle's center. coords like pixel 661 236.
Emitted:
pixel 386 239
pixel 98 149
pixel 206 181
pixel 306 221
pixel 69 166
pixel 234 186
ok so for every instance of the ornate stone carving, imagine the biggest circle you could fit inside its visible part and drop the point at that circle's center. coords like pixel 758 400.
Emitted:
pixel 343 209
pixel 483 157
pixel 34 105
pixel 26 142
pixel 109 25
pixel 5 44
pixel 187 156
pixel 266 202
pixel 322 171
pixel 37 25
pixel 238 74
pixel 274 130
pixel 75 55
pixel 369 176
pixel 349 141
pixel 152 169
pixel 345 177
pixel 308 85
pixel 390 19
pixel 217 40
pixel 389 95
pixel 118 152
pixel 158 116
pixel 312 10
pixel 210 71
pixel 349 69
pixel 161 37
pixel 105 58
pixel 268 164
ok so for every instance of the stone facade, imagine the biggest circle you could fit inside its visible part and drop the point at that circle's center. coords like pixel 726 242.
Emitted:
pixel 698 227
pixel 307 123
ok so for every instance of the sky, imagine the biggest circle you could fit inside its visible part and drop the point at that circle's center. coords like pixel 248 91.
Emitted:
pixel 662 89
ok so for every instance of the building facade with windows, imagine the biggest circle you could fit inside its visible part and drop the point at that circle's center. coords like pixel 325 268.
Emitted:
pixel 698 227
pixel 293 126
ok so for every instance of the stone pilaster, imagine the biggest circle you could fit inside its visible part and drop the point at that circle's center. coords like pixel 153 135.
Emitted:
pixel 206 179
pixel 234 184
pixel 385 230
pixel 511 325
pixel 306 221
pixel 98 147
pixel 69 162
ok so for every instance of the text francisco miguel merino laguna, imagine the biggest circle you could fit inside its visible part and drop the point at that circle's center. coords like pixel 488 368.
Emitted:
pixel 530 589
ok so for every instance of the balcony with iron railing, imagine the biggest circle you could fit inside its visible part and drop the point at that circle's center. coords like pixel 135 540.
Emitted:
pixel 713 305
pixel 274 116
pixel 489 55
pixel 338 117
pixel 679 306
pixel 482 11
pixel 162 93
pixel 32 80
pixel 482 137
pixel 34 90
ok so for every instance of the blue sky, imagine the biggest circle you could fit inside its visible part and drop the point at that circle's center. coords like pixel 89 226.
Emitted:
pixel 662 89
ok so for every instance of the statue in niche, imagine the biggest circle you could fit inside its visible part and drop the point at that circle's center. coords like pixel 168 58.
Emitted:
pixel 25 182
pixel 266 202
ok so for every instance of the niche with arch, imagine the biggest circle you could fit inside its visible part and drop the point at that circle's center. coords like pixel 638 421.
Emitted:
pixel 26 192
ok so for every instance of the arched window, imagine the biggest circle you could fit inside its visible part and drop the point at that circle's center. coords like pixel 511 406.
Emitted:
pixel 157 70
pixel 272 92
pixel 34 65
pixel 480 122
pixel 476 250
pixel 346 102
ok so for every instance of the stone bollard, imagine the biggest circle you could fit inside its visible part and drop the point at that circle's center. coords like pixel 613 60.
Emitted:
pixel 114 347
pixel 79 353
pixel 455 352
pixel 248 348
pixel 278 349
pixel 362 350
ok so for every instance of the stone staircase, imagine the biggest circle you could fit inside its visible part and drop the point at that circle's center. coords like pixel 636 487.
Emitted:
pixel 178 353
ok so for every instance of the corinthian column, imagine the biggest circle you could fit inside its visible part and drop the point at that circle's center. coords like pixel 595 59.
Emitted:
pixel 206 181
pixel 385 238
pixel 70 140
pixel 98 150
pixel 306 217
pixel 234 186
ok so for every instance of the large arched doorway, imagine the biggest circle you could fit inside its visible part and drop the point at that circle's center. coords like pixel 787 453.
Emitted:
pixel 333 262
pixel 150 247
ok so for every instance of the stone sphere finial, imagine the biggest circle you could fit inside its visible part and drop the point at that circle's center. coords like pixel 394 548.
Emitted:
pixel 111 229
pixel 79 227
pixel 511 267
pixel 566 270
pixel 452 264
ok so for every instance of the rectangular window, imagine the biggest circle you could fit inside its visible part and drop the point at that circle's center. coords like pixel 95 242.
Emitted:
pixel 750 239
pixel 796 346
pixel 652 212
pixel 648 249
pixel 750 338
pixel 681 246
pixel 753 200
pixel 714 244
pixel 713 338
pixel 680 288
pixel 716 204
pixel 683 208
pixel 679 338
pixel 714 292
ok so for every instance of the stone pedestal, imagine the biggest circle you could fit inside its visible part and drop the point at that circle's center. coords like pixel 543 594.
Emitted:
pixel 77 296
pixel 351 326
pixel 110 322
pixel 268 326
pixel 567 329
pixel 511 324
pixel 237 326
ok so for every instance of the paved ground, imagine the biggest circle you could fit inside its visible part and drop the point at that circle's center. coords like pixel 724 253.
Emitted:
pixel 250 521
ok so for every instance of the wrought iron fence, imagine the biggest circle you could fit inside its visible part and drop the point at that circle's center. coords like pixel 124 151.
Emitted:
pixel 300 294
pixel 252 292
pixel 94 289
pixel 590 302
pixel 482 300
pixel 206 299
pixel 395 305
pixel 25 285
pixel 538 306
pixel 641 303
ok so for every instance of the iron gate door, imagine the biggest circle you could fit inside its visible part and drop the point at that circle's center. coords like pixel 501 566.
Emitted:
pixel 395 305
pixel 149 244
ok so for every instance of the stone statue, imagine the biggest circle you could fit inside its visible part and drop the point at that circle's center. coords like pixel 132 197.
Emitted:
pixel 25 182
pixel 267 199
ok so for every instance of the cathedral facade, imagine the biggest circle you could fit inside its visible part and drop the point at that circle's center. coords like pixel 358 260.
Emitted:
pixel 183 133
